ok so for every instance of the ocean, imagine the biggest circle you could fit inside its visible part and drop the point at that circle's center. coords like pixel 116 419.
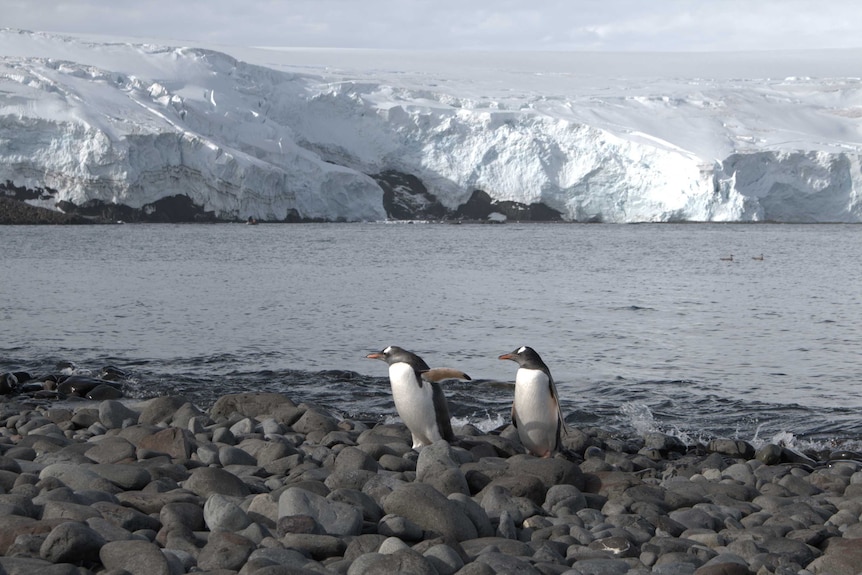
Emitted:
pixel 645 327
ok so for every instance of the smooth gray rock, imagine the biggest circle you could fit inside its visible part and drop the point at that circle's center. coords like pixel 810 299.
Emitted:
pixel 403 561
pixel 221 513
pixel 161 409
pixel 115 414
pixel 317 546
pixel 77 477
pixel 249 404
pixel 336 518
pixel 182 514
pixel 353 458
pixel 400 527
pixel 475 513
pixel 230 455
pixel 71 542
pixel 315 421
pixel 244 426
pixel 428 508
pixel 126 517
pixel 111 449
pixel 126 477
pixel 444 559
pixel 135 557
pixel 206 481
pixel 225 550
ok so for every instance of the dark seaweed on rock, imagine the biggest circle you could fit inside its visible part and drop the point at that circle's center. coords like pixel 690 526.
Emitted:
pixel 260 484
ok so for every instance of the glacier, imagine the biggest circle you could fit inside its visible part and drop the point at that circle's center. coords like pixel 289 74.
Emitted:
pixel 151 130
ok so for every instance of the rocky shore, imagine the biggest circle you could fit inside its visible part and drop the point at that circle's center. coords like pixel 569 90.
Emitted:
pixel 258 485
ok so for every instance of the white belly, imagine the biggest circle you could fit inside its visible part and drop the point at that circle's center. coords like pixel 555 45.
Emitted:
pixel 415 405
pixel 535 412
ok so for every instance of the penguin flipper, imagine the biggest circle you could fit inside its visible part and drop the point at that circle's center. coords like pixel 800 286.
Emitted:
pixel 561 422
pixel 441 412
pixel 420 375
pixel 441 373
pixel 514 420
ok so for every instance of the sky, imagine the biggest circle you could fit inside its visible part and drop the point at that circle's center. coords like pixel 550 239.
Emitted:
pixel 584 25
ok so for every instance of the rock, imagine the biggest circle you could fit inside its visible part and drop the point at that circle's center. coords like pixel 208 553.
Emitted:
pixel 403 561
pixel 225 550
pixel 206 481
pixel 353 459
pixel 244 426
pixel 126 477
pixel 475 513
pixel 298 524
pixel 182 514
pixel 428 508
pixel 564 496
pixel 222 514
pixel 230 455
pixel 732 448
pixel 371 511
pixel 770 454
pixel 314 421
pixel 135 557
pixel 68 510
pixel 336 518
pixel 125 517
pixel 115 415
pixel 111 449
pixel 71 542
pixel 317 546
pixel 496 499
pixel 77 477
pixel 161 409
pixel 723 569
pixel 400 527
pixel 249 404
pixel 438 467
pixel 444 559
pixel 175 442
pixel 504 564
pixel 551 471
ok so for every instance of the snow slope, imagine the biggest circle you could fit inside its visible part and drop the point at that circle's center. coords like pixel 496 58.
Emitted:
pixel 275 134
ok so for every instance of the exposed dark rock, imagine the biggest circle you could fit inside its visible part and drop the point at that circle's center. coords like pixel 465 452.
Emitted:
pixel 406 198
pixel 480 206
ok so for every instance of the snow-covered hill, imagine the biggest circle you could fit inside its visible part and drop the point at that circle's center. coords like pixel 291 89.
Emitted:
pixel 154 131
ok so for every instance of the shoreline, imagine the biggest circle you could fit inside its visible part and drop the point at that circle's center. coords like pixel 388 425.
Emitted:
pixel 260 484
pixel 14 212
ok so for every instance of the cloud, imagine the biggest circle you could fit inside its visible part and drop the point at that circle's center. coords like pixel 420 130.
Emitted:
pixel 458 24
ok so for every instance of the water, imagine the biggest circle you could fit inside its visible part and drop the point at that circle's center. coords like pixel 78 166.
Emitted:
pixel 643 326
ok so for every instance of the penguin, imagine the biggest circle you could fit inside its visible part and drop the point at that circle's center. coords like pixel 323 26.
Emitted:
pixel 536 409
pixel 420 404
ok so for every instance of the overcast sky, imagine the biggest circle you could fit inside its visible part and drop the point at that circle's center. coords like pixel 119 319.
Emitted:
pixel 608 25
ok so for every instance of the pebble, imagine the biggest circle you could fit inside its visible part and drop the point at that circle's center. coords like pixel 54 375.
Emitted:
pixel 258 483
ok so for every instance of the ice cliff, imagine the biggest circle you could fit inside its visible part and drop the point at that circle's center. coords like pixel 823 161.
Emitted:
pixel 142 130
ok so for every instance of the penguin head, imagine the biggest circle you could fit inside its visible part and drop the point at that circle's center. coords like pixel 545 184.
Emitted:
pixel 525 357
pixel 394 354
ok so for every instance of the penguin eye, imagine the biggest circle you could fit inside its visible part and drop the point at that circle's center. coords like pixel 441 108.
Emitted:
pixel 522 349
pixel 387 350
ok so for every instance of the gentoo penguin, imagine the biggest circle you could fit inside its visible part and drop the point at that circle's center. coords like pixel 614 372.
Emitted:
pixel 420 404
pixel 536 410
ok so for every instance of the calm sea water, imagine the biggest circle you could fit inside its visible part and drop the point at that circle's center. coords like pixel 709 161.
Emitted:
pixel 643 326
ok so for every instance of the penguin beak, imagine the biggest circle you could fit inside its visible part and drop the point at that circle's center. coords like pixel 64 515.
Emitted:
pixel 374 355
pixel 506 356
